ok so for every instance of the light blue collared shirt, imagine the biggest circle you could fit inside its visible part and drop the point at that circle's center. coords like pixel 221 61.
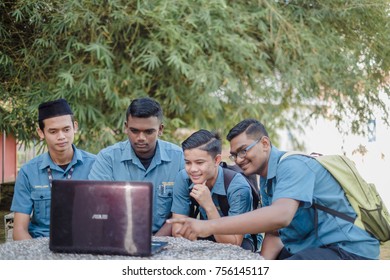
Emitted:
pixel 239 197
pixel 239 194
pixel 120 163
pixel 32 193
pixel 304 179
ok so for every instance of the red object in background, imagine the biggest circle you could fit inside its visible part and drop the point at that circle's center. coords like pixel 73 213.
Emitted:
pixel 8 168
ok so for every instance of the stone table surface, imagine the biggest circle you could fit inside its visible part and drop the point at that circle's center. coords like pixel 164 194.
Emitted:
pixel 177 249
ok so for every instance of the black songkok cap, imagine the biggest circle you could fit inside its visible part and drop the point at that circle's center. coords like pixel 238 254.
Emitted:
pixel 53 109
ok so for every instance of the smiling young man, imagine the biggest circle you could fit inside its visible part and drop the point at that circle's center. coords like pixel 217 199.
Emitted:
pixel 144 157
pixel 203 181
pixel 294 228
pixel 31 201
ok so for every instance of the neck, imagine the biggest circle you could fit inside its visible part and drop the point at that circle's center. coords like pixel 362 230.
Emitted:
pixel 62 158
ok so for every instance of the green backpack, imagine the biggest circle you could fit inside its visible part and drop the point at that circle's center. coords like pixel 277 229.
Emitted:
pixel 372 214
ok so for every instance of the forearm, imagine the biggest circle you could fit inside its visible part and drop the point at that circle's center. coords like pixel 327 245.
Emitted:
pixel 20 230
pixel 176 227
pixel 20 234
pixel 235 239
pixel 265 219
pixel 165 230
pixel 271 247
pixel 260 220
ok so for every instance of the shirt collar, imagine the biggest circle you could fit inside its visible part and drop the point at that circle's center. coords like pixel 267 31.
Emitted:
pixel 273 161
pixel 48 162
pixel 159 156
pixel 219 187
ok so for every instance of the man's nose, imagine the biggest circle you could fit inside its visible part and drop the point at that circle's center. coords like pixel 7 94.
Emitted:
pixel 61 135
pixel 238 160
pixel 142 136
pixel 193 168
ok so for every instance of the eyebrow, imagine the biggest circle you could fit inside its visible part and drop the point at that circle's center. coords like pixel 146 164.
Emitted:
pixel 58 128
pixel 133 128
pixel 239 149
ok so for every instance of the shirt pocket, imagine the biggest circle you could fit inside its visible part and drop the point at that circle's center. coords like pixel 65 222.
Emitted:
pixel 41 199
pixel 165 198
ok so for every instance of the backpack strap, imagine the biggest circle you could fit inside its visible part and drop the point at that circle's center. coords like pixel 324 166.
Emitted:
pixel 194 205
pixel 228 176
pixel 335 213
pixel 194 208
pixel 251 179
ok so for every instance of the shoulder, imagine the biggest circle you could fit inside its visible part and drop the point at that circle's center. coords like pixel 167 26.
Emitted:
pixel 117 147
pixel 170 152
pixel 239 183
pixel 86 155
pixel 298 171
pixel 240 179
pixel 33 163
pixel 168 146
pixel 183 175
pixel 297 162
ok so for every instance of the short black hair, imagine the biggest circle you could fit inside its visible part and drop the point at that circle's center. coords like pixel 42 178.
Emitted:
pixel 41 123
pixel 251 127
pixel 144 108
pixel 205 141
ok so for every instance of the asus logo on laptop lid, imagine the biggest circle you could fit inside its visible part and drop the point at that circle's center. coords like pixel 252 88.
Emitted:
pixel 99 217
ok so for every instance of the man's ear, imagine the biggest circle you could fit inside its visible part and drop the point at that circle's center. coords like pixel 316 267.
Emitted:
pixel 75 126
pixel 266 143
pixel 218 159
pixel 160 130
pixel 125 127
pixel 40 133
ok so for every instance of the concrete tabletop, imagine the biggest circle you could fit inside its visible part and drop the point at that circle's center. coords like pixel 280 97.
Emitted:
pixel 177 249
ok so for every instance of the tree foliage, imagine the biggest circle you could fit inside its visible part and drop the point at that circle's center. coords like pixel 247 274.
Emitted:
pixel 209 62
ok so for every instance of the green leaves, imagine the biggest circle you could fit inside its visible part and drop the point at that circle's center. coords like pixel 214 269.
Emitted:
pixel 102 53
pixel 210 63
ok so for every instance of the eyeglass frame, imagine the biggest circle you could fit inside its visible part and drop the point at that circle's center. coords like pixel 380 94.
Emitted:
pixel 242 153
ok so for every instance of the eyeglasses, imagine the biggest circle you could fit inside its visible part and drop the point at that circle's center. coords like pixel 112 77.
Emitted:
pixel 242 153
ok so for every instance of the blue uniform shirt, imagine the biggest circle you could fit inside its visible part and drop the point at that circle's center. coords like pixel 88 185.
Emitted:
pixel 120 163
pixel 239 195
pixel 32 191
pixel 304 179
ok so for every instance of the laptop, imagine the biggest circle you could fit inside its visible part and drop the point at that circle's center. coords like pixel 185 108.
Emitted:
pixel 102 217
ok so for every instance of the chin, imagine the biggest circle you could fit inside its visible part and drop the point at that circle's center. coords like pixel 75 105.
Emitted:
pixel 197 181
pixel 247 170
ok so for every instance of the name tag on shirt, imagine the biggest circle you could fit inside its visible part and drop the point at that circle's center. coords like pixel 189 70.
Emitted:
pixel 41 187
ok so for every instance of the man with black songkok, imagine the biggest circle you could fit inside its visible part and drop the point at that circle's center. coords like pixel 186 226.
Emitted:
pixel 31 201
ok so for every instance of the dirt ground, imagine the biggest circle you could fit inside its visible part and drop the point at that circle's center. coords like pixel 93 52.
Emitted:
pixel 5 202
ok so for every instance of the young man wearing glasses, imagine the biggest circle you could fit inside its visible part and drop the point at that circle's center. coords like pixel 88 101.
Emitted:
pixel 294 229
pixel 202 182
